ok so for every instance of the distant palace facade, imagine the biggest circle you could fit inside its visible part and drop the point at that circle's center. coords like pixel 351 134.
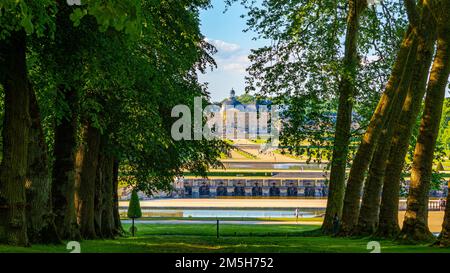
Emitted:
pixel 238 120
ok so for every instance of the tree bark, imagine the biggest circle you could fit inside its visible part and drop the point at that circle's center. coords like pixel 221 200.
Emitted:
pixel 415 225
pixel 105 200
pixel 63 186
pixel 66 47
pixel 86 184
pixel 388 226
pixel 368 215
pixel 66 54
pixel 391 97
pixel 344 117
pixel 98 190
pixel 40 220
pixel 16 124
pixel 415 83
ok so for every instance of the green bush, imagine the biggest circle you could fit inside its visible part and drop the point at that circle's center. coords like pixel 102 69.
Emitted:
pixel 134 208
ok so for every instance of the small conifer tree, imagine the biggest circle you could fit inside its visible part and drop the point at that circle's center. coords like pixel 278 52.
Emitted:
pixel 134 209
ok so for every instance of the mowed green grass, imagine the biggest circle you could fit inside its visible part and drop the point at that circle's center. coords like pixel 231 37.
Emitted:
pixel 197 238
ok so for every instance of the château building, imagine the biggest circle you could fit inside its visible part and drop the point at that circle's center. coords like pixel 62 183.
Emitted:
pixel 239 120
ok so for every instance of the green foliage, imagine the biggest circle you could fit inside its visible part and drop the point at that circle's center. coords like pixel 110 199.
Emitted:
pixel 127 84
pixel 38 16
pixel 246 99
pixel 310 125
pixel 121 15
pixel 442 149
pixel 437 181
pixel 33 16
pixel 443 141
pixel 303 65
pixel 161 72
pixel 134 208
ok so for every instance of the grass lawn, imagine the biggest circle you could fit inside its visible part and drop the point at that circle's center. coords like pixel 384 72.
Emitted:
pixel 197 238
pixel 259 141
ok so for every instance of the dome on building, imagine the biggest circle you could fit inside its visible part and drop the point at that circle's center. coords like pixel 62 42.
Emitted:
pixel 232 99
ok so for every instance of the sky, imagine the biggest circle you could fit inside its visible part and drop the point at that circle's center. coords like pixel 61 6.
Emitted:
pixel 225 32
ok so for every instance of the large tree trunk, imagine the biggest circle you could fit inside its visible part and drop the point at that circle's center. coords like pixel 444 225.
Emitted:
pixel 63 186
pixel 415 83
pixel 117 223
pixel 40 219
pixel 444 237
pixel 98 190
pixel 16 124
pixel 415 224
pixel 344 117
pixel 86 184
pixel 105 196
pixel 368 215
pixel 388 226
pixel 391 98
pixel 66 54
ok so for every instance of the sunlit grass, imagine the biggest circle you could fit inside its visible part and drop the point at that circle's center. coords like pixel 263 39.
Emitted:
pixel 198 238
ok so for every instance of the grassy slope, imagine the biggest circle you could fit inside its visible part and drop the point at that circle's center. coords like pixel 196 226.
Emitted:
pixel 234 238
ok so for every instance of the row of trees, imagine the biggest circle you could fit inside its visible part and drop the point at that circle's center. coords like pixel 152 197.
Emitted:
pixel 87 96
pixel 349 55
pixel 384 145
